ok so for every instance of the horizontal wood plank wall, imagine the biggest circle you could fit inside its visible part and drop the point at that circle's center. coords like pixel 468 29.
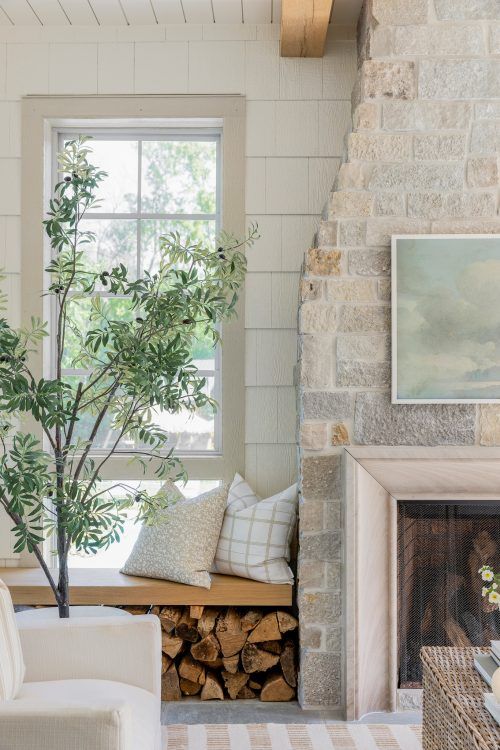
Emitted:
pixel 109 586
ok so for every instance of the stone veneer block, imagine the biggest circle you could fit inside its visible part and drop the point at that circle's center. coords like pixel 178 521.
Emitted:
pixel 418 41
pixel 358 318
pixel 324 545
pixel 320 607
pixel 321 477
pixel 350 290
pixel 321 679
pixel 378 147
pixel 467 10
pixel 419 115
pixel 378 422
pixel 482 172
pixel 459 79
pixel 393 12
pixel 326 404
pixel 364 347
pixel 316 317
pixel 366 116
pixel 311 289
pixel 313 436
pixel 374 262
pixel 439 147
pixel 316 361
pixel 340 434
pixel 390 80
pixel 354 203
pixel 380 230
pixel 405 177
pixel 458 205
pixel 489 424
pixel 323 262
pixel 363 374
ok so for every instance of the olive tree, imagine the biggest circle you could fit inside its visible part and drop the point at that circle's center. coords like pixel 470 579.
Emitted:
pixel 134 365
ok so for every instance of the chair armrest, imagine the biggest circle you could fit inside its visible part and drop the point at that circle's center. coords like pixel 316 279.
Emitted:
pixel 50 726
pixel 122 649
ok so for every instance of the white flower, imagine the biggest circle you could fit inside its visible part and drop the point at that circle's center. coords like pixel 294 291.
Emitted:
pixel 494 597
pixel 487 575
pixel 494 585
pixel 484 591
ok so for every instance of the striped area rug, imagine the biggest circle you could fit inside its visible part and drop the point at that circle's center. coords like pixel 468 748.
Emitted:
pixel 291 737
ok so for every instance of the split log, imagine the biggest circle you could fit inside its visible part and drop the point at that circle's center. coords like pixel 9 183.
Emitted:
pixel 254 684
pixel 276 689
pixel 169 617
pixel 287 662
pixel 229 633
pixel 171 645
pixel 235 682
pixel 170 688
pixel 212 689
pixel 206 650
pixel 246 693
pixel 196 611
pixel 251 619
pixel 137 609
pixel 274 647
pixel 286 622
pixel 155 610
pixel 191 669
pixel 231 663
pixel 188 687
pixel 206 623
pixel 166 661
pixel 186 628
pixel 254 659
pixel 456 635
pixel 266 630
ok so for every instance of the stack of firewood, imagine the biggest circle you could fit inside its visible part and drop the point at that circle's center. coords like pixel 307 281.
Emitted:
pixel 224 653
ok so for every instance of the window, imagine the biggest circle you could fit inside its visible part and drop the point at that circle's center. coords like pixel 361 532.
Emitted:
pixel 137 140
pixel 158 182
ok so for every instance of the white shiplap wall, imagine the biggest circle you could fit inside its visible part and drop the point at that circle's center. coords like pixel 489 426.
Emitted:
pixel 298 113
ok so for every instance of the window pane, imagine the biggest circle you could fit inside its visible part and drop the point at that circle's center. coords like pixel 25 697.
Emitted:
pixel 179 177
pixel 191 431
pixel 118 191
pixel 191 232
pixel 116 555
pixel 115 242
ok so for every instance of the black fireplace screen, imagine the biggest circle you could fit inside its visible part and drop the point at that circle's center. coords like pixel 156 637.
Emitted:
pixel 441 547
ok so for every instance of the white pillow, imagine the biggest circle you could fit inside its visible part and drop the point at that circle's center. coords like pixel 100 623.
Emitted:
pixel 256 534
pixel 181 547
pixel 11 655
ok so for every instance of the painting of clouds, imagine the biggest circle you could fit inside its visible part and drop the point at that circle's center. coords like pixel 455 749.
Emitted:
pixel 446 319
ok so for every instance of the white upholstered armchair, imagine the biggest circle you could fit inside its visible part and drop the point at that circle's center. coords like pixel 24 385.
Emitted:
pixel 86 682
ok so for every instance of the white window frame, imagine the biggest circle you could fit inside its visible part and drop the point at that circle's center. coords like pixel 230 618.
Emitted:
pixel 44 115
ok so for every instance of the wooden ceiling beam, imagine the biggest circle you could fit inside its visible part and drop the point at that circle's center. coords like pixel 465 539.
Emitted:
pixel 304 24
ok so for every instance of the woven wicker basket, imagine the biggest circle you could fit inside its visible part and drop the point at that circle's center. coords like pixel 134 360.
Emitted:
pixel 454 717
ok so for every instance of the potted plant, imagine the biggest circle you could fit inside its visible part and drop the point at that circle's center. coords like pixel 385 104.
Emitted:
pixel 135 362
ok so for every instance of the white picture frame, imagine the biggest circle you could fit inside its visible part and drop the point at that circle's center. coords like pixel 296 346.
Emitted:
pixel 475 249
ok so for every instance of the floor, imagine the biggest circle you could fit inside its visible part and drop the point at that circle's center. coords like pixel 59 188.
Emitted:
pixel 193 711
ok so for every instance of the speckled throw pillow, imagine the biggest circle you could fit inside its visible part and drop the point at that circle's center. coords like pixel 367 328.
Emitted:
pixel 181 547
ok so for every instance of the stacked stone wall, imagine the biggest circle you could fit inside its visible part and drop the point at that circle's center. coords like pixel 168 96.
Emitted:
pixel 422 157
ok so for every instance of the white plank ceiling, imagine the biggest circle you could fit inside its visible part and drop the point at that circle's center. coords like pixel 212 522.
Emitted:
pixel 150 12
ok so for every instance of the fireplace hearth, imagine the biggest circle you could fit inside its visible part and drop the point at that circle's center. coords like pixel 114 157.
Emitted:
pixel 440 548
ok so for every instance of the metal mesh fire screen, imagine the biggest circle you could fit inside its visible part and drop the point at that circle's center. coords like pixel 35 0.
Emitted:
pixel 441 547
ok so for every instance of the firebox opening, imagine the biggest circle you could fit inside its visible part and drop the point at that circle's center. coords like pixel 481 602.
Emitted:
pixel 441 547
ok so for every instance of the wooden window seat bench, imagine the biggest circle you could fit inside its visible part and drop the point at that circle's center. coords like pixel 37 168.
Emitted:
pixel 108 586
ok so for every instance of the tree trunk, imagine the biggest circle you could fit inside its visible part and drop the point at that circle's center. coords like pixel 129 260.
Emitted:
pixel 63 586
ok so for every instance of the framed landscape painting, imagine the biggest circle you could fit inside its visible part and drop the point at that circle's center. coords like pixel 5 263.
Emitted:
pixel 445 319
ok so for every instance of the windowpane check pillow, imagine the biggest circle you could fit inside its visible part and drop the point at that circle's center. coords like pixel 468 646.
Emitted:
pixel 181 547
pixel 256 534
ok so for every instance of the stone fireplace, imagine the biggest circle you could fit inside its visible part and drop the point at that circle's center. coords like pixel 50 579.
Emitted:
pixel 422 157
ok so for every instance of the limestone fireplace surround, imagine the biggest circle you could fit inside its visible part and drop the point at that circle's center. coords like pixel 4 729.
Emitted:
pixel 375 479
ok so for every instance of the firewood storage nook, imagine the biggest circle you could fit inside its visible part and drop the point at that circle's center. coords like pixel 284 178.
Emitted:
pixel 237 640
